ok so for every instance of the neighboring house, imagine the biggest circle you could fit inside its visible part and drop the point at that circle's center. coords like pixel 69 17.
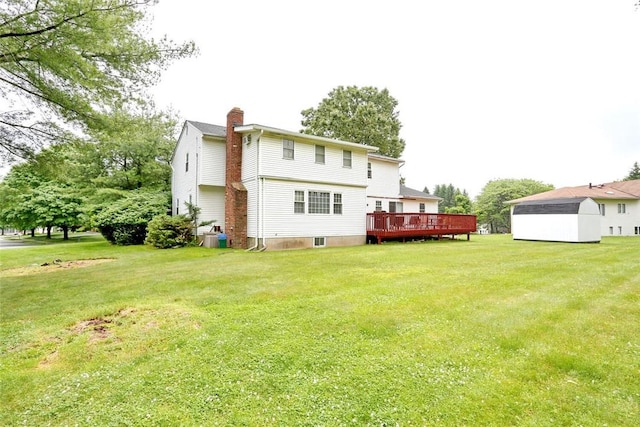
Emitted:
pixel 618 204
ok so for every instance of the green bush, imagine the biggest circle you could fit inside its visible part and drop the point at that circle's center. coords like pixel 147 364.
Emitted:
pixel 124 222
pixel 166 231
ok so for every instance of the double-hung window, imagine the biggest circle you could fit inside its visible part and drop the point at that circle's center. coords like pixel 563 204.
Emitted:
pixel 337 204
pixel 320 154
pixel 369 174
pixel 298 202
pixel 319 202
pixel 287 149
pixel 601 208
pixel 422 208
pixel 622 208
pixel 346 158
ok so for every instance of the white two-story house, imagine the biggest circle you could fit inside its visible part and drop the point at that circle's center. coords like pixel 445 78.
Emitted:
pixel 269 188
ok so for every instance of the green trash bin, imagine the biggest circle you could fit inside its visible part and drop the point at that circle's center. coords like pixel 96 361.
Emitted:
pixel 222 240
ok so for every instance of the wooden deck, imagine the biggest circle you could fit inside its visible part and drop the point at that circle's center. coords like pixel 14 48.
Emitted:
pixel 401 226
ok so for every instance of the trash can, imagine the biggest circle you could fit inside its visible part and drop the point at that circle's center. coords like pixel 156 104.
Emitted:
pixel 222 240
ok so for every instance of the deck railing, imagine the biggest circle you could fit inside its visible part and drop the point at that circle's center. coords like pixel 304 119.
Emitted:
pixel 385 225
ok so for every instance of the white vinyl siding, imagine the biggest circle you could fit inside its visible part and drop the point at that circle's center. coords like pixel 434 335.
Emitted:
pixel 281 221
pixel 303 167
pixel 212 162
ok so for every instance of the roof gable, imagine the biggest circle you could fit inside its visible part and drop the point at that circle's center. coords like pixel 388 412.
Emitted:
pixel 209 129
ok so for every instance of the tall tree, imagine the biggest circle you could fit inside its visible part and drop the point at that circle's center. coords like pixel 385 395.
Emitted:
pixel 463 205
pixel 364 115
pixel 67 62
pixel 491 207
pixel 448 194
pixel 634 173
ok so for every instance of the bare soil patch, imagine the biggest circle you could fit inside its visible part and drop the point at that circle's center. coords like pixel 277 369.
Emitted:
pixel 54 265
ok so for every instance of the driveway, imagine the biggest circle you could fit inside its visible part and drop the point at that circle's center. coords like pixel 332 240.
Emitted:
pixel 9 242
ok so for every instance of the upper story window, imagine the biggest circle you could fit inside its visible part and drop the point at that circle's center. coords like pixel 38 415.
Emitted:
pixel 369 170
pixel 422 208
pixel 186 163
pixel 346 158
pixel 287 149
pixel 622 208
pixel 320 154
pixel 601 208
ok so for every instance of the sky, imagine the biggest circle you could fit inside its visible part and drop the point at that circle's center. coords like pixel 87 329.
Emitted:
pixel 546 90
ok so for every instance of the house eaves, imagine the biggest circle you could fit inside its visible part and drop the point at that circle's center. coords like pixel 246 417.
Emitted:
pixel 304 136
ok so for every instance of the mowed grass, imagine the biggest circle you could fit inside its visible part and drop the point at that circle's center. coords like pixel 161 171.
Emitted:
pixel 483 332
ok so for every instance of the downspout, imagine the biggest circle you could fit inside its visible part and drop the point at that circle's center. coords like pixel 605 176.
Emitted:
pixel 260 218
pixel 258 194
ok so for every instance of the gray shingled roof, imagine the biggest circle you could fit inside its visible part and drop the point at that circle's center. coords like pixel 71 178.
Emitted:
pixel 209 129
pixel 410 192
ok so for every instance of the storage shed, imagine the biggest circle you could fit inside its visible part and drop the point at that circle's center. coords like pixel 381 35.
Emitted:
pixel 575 219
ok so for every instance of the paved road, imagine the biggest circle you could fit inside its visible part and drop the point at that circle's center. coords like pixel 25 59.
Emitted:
pixel 6 243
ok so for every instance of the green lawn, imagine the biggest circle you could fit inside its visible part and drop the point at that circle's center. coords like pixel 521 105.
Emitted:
pixel 483 332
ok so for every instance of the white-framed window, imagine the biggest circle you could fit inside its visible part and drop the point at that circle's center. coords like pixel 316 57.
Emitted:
pixel 622 208
pixel 288 148
pixel 320 154
pixel 422 209
pixel 601 208
pixel 346 158
pixel 611 231
pixel 319 202
pixel 620 230
pixel 298 202
pixel 369 174
pixel 337 203
pixel 378 205
pixel 319 242
pixel 186 163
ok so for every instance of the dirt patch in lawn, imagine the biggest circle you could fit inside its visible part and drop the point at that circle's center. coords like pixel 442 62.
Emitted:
pixel 54 265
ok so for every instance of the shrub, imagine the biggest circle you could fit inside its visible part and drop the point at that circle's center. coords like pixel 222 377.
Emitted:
pixel 124 222
pixel 166 231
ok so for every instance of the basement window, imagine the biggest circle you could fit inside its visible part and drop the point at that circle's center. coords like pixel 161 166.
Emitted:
pixel 319 242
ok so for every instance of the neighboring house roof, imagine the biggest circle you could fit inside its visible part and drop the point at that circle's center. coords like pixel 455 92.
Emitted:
pixel 612 190
pixel 410 193
pixel 209 129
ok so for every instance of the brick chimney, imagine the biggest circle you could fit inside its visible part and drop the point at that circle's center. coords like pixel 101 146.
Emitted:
pixel 235 197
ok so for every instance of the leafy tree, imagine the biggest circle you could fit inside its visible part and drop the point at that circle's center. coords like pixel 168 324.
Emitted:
pixel 463 205
pixel 124 222
pixel 55 206
pixel 365 115
pixel 71 61
pixel 634 173
pixel 491 207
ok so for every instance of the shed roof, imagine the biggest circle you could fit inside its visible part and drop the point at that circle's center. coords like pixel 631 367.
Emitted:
pixel 570 205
